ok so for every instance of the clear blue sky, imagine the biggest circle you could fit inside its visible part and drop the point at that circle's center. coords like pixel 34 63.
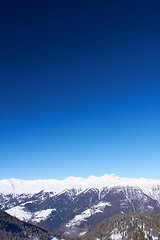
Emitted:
pixel 79 88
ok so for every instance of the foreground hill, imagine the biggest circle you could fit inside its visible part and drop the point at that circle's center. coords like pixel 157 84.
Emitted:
pixel 13 229
pixel 135 226
pixel 72 206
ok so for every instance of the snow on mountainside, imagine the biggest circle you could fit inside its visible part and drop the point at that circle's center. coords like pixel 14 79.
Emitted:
pixel 14 229
pixel 72 206
pixel 23 215
pixel 17 186
pixel 87 213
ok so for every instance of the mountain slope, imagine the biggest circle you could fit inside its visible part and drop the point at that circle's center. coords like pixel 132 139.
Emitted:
pixel 135 226
pixel 14 229
pixel 74 205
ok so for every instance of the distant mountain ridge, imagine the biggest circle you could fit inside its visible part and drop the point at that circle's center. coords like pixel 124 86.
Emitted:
pixel 72 206
pixel 18 186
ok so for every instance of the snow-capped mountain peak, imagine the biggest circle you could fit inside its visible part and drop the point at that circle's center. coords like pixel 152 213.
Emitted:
pixel 17 186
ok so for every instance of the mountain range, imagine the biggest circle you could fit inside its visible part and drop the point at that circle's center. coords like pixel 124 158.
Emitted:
pixel 125 226
pixel 73 206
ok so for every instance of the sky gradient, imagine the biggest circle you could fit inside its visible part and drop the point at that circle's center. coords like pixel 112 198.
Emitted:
pixel 79 89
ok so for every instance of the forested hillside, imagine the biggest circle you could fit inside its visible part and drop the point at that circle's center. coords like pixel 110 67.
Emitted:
pixel 135 226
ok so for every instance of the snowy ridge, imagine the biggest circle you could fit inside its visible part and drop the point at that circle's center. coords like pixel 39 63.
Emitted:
pixel 77 220
pixel 17 186
pixel 24 215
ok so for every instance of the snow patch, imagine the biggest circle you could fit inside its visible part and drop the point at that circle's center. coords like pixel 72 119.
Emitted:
pixel 87 213
pixel 54 238
pixel 116 236
pixel 147 235
pixel 42 215
pixel 19 213
pixel 82 233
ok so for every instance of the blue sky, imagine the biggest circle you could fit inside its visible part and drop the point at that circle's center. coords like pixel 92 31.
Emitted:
pixel 79 89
